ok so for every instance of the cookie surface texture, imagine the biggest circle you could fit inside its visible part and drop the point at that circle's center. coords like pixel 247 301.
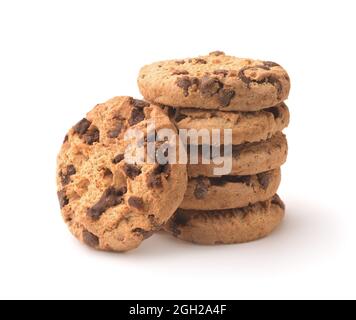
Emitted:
pixel 227 226
pixel 245 126
pixel 216 81
pixel 230 192
pixel 247 159
pixel 107 203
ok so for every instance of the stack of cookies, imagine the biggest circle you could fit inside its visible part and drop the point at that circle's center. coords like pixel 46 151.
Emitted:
pixel 218 92
pixel 111 202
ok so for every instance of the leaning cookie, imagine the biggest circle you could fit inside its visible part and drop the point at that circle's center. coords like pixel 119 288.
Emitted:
pixel 245 126
pixel 230 192
pixel 227 226
pixel 110 204
pixel 216 81
pixel 247 159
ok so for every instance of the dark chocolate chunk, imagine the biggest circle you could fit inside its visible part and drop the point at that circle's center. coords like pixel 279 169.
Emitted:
pixel 201 189
pixel 92 136
pixel 82 126
pixel 185 83
pixel 270 64
pixel 221 181
pixel 132 171
pixel 63 199
pixel 221 72
pixel 275 82
pixel 136 202
pixel 139 103
pixel 110 198
pixel 180 219
pixel 137 115
pixel 144 233
pixel 225 96
pixel 108 173
pixel 267 79
pixel 264 179
pixel 90 239
pixel 180 72
pixel 66 138
pixel 66 174
pixel 154 180
pixel 163 168
pixel 200 61
pixel 197 61
pixel 217 53
pixel 118 158
pixel 210 86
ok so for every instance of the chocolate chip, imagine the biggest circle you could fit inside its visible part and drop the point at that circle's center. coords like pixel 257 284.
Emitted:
pixel 137 115
pixel 225 96
pixel 270 64
pixel 108 173
pixel 230 179
pixel 180 219
pixel 92 136
pixel 118 158
pixel 179 72
pixel 275 111
pixel 141 232
pixel 66 174
pixel 277 201
pixel 267 79
pixel 197 61
pixel 200 61
pixel 201 189
pixel 132 171
pixel 115 132
pixel 90 239
pixel 246 79
pixel 221 72
pixel 210 86
pixel 154 181
pixel 136 202
pixel 110 198
pixel 66 138
pixel 185 83
pixel 275 82
pixel 155 178
pixel 139 103
pixel 217 53
pixel 180 61
pixel 63 199
pixel 264 179
pixel 82 126
pixel 163 168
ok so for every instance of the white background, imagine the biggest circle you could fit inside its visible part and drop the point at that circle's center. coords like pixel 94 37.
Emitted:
pixel 59 58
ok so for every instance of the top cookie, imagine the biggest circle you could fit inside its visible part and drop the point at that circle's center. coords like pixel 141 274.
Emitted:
pixel 216 81
pixel 108 203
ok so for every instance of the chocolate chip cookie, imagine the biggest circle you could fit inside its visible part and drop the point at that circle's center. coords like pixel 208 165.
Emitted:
pixel 216 81
pixel 227 226
pixel 108 202
pixel 230 192
pixel 245 126
pixel 247 159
